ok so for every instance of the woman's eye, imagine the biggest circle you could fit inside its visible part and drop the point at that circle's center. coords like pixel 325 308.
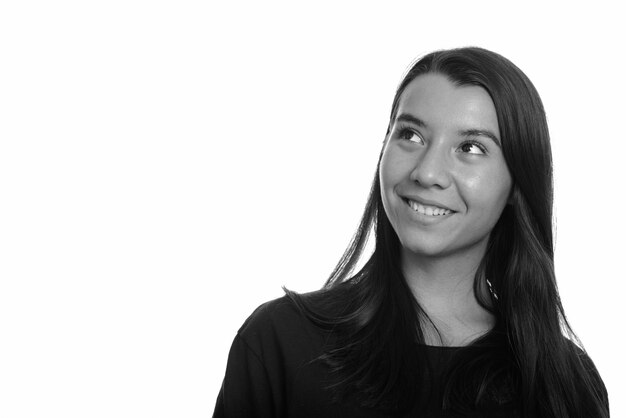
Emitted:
pixel 472 148
pixel 409 135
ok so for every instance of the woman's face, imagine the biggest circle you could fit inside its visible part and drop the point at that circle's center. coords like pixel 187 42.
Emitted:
pixel 444 180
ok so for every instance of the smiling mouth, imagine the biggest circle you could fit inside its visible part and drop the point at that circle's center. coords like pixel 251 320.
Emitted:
pixel 427 210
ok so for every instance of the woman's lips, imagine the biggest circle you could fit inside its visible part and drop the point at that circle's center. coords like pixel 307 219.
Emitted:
pixel 428 210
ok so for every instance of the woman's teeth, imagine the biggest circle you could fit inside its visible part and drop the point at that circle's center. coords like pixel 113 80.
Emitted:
pixel 428 210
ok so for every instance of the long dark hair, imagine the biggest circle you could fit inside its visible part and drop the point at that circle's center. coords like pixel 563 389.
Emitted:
pixel 374 315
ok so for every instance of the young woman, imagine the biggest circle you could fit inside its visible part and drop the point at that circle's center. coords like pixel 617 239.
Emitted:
pixel 456 313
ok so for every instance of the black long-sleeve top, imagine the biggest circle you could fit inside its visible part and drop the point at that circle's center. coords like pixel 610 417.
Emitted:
pixel 273 370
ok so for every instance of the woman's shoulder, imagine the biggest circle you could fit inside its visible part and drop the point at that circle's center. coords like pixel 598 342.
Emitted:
pixel 590 367
pixel 280 321
pixel 581 354
pixel 275 312
pixel 271 314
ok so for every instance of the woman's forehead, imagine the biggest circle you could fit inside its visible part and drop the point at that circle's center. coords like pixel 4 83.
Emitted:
pixel 435 100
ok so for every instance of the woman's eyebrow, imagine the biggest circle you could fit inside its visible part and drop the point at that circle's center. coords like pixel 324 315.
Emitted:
pixel 481 132
pixel 405 117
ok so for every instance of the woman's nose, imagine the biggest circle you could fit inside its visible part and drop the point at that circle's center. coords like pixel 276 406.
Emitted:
pixel 432 168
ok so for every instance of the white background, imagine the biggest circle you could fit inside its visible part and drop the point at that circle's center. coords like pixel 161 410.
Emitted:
pixel 166 166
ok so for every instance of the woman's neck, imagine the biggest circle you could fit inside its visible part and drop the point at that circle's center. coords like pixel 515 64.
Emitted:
pixel 444 288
